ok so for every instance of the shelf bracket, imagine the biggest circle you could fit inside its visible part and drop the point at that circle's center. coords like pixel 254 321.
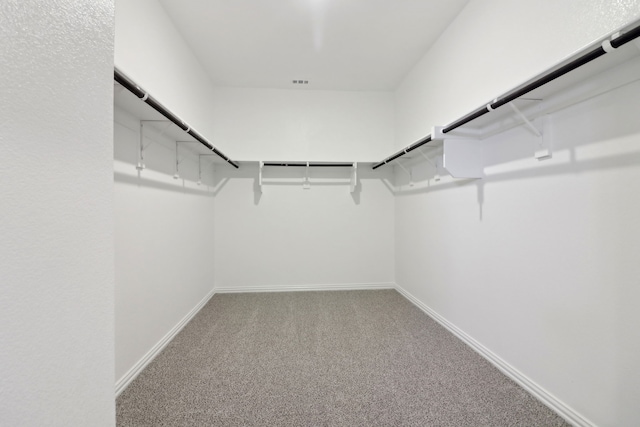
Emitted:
pixel 260 169
pixel 200 167
pixel 178 160
pixel 354 178
pixel 434 164
pixel 543 148
pixel 408 172
pixel 525 120
pixel 140 165
pixel 177 174
pixel 543 145
pixel 306 184
pixel 162 132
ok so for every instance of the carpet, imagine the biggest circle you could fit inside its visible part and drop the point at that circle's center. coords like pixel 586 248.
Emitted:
pixel 341 358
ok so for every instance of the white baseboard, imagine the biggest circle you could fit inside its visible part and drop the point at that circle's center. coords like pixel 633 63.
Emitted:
pixel 293 288
pixel 540 393
pixel 132 373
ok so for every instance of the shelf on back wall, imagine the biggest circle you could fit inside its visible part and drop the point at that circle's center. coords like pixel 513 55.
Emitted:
pixel 133 105
pixel 587 78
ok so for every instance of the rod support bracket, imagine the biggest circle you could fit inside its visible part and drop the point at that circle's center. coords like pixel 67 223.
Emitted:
pixel 140 165
pixel 526 121
pixel 306 184
pixel 437 133
pixel 606 44
pixel 408 172
pixel 541 129
pixel 544 142
pixel 435 165
pixel 439 136
pixel 200 166
pixel 354 178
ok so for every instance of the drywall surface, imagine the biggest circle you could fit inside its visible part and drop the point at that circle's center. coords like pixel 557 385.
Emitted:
pixel 356 244
pixel 249 124
pixel 493 46
pixel 56 234
pixel 308 125
pixel 287 236
pixel 164 227
pixel 164 233
pixel 165 252
pixel 152 52
pixel 537 261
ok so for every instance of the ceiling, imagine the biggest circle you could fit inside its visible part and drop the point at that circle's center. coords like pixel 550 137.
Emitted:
pixel 332 44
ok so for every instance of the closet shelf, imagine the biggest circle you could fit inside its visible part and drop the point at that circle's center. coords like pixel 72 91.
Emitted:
pixel 310 164
pixel 139 109
pixel 552 90
pixel 589 72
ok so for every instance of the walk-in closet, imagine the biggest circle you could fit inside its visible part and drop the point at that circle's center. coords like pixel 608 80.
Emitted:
pixel 320 213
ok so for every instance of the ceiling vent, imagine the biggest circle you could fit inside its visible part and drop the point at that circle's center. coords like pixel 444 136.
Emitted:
pixel 300 82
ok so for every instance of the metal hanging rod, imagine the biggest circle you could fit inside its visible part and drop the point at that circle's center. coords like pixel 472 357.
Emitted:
pixel 127 83
pixel 311 165
pixel 608 45
pixel 404 151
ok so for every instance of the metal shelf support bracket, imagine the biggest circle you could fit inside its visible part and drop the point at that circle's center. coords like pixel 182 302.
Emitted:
pixel 354 178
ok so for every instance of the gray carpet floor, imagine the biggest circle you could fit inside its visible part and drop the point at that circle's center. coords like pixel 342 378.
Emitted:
pixel 344 358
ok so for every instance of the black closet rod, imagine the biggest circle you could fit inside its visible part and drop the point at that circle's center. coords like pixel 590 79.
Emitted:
pixel 595 53
pixel 135 89
pixel 311 165
pixel 402 152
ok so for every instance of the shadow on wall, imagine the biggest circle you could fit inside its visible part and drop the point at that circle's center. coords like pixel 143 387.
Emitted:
pixel 192 165
pixel 141 181
pixel 296 177
pixel 586 137
pixel 162 170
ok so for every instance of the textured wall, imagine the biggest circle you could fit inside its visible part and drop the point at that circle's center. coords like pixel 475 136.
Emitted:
pixel 163 239
pixel 308 125
pixel 348 239
pixel 493 46
pixel 163 227
pixel 288 236
pixel 56 233
pixel 151 51
pixel 249 124
pixel 538 261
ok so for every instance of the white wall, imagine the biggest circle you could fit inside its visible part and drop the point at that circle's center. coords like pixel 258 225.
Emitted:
pixel 251 124
pixel 493 46
pixel 536 262
pixel 287 236
pixel 290 237
pixel 150 50
pixel 163 227
pixel 56 234
pixel 164 233
pixel 308 125
pixel 273 125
